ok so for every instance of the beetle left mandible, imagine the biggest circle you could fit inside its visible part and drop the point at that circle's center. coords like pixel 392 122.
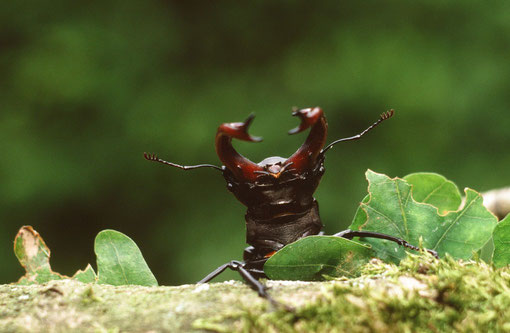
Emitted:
pixel 278 192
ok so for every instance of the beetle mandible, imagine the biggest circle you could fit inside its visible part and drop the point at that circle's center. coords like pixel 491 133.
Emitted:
pixel 278 192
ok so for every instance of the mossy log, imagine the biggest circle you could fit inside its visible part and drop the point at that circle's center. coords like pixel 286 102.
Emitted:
pixel 421 294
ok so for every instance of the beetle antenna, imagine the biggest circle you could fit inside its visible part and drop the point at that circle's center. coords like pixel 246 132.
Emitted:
pixel 155 158
pixel 384 116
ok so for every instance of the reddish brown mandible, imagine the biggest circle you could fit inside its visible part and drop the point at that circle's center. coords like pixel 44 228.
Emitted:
pixel 302 160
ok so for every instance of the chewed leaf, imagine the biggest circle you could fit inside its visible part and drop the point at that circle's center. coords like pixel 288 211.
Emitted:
pixel 34 256
pixel 391 209
pixel 120 262
pixel 436 190
pixel 86 276
pixel 31 251
pixel 501 236
pixel 312 258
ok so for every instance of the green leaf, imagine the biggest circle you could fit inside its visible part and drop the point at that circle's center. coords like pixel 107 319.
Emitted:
pixel 311 258
pixel 392 210
pixel 86 276
pixel 34 256
pixel 436 190
pixel 501 236
pixel 120 262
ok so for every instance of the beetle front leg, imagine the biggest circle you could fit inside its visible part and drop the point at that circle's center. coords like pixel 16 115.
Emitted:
pixel 253 282
pixel 350 234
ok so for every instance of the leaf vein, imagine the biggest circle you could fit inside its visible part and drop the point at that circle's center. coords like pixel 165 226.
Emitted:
pixel 433 191
pixel 453 223
pixel 387 218
pixel 402 212
pixel 117 257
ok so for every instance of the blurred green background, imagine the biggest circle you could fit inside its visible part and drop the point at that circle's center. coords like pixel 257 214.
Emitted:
pixel 87 86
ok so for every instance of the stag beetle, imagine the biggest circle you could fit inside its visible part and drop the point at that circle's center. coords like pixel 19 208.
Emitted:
pixel 278 192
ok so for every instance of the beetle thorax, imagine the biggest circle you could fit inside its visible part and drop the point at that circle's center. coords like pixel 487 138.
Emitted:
pixel 277 190
pixel 280 203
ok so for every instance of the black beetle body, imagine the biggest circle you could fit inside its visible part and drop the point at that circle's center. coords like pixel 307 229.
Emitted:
pixel 280 210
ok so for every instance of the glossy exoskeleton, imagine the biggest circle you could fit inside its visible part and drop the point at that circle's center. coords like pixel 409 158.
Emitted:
pixel 278 192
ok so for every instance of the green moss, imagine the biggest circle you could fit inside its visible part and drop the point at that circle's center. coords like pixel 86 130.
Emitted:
pixel 420 295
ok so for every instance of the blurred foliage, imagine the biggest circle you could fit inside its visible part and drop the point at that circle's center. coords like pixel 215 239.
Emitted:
pixel 86 87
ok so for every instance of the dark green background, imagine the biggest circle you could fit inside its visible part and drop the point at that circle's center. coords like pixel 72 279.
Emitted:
pixel 87 86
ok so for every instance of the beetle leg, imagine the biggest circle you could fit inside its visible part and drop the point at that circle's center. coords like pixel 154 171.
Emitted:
pixel 239 266
pixel 247 276
pixel 260 288
pixel 155 158
pixel 350 234
pixel 215 273
pixel 384 116
pixel 253 282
